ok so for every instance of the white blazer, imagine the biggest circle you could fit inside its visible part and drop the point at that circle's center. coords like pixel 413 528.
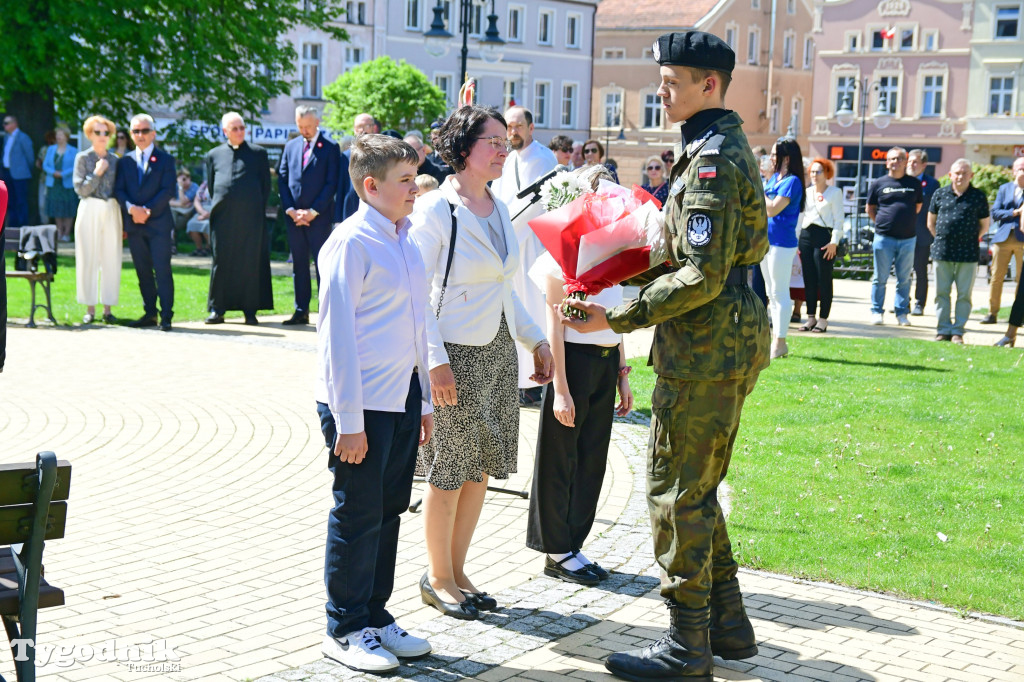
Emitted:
pixel 479 285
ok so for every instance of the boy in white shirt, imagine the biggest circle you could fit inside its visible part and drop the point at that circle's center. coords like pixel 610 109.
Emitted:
pixel 373 398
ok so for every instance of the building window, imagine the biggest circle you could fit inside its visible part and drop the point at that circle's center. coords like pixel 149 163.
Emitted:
pixel 647 53
pixel 353 57
pixel 541 103
pixel 652 110
pixel 931 95
pixel 311 67
pixel 773 117
pixel 755 4
pixel 930 40
pixel 752 48
pixel 613 109
pixel 846 86
pixel 1000 95
pixel 355 12
pixel 545 27
pixel 1007 20
pixel 790 6
pixel 476 19
pixel 906 39
pixel 516 17
pixel 510 97
pixel 878 40
pixel 788 41
pixel 613 53
pixel 730 37
pixel 444 81
pixel 796 114
pixel 808 53
pixel 853 41
pixel 573 25
pixel 412 15
pixel 889 93
pixel 569 91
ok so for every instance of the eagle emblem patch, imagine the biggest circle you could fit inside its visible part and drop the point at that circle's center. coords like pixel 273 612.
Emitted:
pixel 698 229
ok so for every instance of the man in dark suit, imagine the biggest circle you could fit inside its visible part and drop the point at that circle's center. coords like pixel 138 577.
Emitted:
pixel 307 180
pixel 16 169
pixel 1007 237
pixel 144 187
pixel 347 199
pixel 917 159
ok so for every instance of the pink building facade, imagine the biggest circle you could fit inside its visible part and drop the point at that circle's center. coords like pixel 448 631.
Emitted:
pixel 909 57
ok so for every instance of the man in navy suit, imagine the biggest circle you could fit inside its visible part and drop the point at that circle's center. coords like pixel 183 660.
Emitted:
pixel 16 169
pixel 307 180
pixel 347 199
pixel 1008 239
pixel 917 159
pixel 144 187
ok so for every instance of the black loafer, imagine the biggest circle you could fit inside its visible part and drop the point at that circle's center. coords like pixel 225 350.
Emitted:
pixel 988 319
pixel 144 321
pixel 215 318
pixel 165 326
pixel 481 600
pixel 463 610
pixel 109 319
pixel 299 317
pixel 581 576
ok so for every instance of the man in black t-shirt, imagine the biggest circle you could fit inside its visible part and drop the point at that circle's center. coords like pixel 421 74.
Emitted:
pixel 957 217
pixel 893 203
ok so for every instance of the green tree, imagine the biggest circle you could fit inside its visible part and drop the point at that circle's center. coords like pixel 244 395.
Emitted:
pixel 197 58
pixel 397 94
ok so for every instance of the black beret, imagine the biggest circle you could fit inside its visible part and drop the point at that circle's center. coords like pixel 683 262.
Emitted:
pixel 695 49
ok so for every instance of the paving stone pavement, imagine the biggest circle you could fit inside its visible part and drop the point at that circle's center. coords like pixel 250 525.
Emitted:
pixel 198 499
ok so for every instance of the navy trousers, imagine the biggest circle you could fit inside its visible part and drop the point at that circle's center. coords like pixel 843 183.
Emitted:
pixel 17 200
pixel 151 252
pixel 362 529
pixel 305 243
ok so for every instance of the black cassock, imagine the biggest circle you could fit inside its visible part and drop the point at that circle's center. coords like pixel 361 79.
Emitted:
pixel 239 184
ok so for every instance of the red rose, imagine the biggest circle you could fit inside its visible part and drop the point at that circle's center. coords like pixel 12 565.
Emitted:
pixel 319 144
pixel 152 159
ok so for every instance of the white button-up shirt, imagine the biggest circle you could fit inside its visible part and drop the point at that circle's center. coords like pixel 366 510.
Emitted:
pixel 371 331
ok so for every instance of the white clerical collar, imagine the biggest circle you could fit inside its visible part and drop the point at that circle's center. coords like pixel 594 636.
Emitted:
pixel 234 146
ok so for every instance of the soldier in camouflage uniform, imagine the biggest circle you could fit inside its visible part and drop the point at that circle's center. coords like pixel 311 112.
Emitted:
pixel 710 343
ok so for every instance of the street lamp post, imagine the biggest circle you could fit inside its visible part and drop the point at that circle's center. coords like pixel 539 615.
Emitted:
pixel 845 117
pixel 437 39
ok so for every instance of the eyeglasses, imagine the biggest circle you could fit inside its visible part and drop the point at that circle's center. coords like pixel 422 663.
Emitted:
pixel 650 168
pixel 141 131
pixel 497 143
pixel 101 133
pixel 814 172
pixel 591 150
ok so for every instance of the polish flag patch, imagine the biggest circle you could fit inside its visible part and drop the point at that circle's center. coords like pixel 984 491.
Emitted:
pixel 707 172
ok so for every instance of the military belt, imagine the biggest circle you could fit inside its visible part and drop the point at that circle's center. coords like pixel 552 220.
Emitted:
pixel 591 349
pixel 737 277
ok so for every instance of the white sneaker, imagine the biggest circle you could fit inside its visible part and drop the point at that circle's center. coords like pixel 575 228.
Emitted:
pixel 401 643
pixel 359 650
pixel 876 318
pixel 903 320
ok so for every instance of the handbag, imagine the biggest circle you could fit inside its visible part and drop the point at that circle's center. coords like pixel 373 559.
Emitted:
pixel 451 257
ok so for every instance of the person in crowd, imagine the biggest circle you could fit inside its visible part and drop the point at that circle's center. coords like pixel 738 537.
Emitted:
pixel 784 199
pixel 61 200
pixel 427 167
pixel 561 147
pixel 474 316
pixel 198 227
pixel 577 156
pixel 98 229
pixel 593 153
pixel 373 400
pixel 144 186
pixel 1008 238
pixel 917 161
pixel 434 156
pixel 574 434
pixel 307 180
pixel 819 240
pixel 238 179
pixel 182 205
pixel 3 278
pixel 49 139
pixel 669 157
pixel 705 370
pixel 16 170
pixel 528 161
pixel 426 183
pixel 123 144
pixel 957 218
pixel 657 179
pixel 346 200
pixel 893 202
pixel 1009 338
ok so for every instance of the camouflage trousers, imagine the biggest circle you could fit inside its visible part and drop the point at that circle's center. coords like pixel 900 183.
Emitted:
pixel 693 429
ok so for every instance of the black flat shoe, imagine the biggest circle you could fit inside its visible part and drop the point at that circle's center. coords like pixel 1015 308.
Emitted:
pixel 481 600
pixel 581 576
pixel 144 321
pixel 215 318
pixel 463 610
pixel 597 570
pixel 299 317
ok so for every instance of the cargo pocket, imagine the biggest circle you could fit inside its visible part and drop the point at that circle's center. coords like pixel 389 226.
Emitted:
pixel 663 400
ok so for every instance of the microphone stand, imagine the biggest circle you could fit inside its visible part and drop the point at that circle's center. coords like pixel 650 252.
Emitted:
pixel 534 200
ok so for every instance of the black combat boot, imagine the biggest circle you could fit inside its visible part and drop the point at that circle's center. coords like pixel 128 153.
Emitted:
pixel 732 635
pixel 685 653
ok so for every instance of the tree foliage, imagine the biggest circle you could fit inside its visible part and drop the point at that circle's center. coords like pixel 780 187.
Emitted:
pixel 198 58
pixel 397 94
pixel 987 178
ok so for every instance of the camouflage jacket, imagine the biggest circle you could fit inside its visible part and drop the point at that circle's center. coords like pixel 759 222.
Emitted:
pixel 715 220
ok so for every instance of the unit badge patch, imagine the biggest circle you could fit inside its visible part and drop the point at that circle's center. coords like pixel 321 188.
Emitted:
pixel 707 172
pixel 698 229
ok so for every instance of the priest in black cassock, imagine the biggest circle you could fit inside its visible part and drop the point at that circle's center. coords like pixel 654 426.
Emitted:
pixel 238 179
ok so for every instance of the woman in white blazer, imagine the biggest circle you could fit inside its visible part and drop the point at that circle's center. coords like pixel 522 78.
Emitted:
pixel 473 367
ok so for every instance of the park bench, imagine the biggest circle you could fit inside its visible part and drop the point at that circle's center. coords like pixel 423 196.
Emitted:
pixel 27 265
pixel 33 509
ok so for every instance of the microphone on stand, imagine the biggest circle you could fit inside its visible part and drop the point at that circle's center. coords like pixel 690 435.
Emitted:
pixel 535 187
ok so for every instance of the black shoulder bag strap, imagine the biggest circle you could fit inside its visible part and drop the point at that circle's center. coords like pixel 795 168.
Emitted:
pixel 451 256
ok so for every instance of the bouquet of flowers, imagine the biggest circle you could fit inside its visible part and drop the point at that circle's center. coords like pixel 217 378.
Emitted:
pixel 599 238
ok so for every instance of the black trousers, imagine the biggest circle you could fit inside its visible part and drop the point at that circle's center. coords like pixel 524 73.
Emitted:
pixel 922 250
pixel 305 242
pixel 817 269
pixel 1017 311
pixel 570 463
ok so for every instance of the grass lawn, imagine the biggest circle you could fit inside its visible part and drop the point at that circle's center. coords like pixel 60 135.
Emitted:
pixel 886 464
pixel 191 287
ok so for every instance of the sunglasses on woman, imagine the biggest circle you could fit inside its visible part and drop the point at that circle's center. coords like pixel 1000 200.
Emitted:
pixel 101 133
pixel 650 168
pixel 591 150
